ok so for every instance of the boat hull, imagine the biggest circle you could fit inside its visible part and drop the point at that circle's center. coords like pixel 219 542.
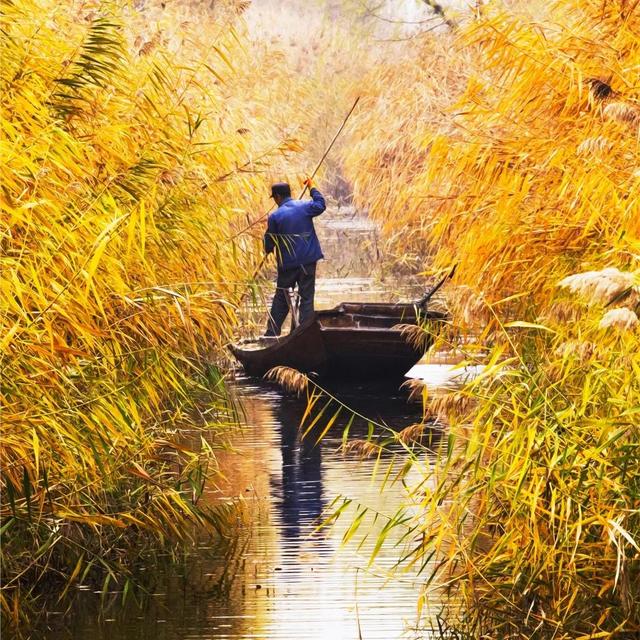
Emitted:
pixel 378 353
pixel 353 340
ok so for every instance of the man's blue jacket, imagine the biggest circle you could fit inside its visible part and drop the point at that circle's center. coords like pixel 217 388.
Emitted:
pixel 291 234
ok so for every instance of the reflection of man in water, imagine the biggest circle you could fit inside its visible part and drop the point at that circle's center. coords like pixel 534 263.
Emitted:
pixel 301 502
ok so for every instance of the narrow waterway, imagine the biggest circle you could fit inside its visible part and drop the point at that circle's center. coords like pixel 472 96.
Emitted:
pixel 300 582
pixel 281 577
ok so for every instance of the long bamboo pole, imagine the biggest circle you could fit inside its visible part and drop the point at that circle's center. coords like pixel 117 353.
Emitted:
pixel 328 150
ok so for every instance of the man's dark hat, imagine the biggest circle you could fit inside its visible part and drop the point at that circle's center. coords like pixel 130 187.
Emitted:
pixel 281 189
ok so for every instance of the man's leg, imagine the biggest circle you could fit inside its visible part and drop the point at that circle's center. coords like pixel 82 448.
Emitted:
pixel 307 289
pixel 280 306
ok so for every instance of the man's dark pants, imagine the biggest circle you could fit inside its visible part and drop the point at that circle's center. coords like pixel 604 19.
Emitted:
pixel 303 276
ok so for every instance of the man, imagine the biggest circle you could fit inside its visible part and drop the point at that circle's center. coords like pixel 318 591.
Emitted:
pixel 290 233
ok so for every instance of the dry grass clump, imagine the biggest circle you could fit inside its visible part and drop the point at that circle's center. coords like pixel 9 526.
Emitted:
pixel 584 350
pixel 594 146
pixel 620 318
pixel 605 287
pixel 127 171
pixel 413 433
pixel 622 112
pixel 416 335
pixel 470 307
pixel 450 407
pixel 416 387
pixel 288 378
pixel 564 312
pixel 362 448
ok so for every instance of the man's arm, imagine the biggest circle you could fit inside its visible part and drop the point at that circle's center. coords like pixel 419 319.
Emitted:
pixel 269 236
pixel 317 204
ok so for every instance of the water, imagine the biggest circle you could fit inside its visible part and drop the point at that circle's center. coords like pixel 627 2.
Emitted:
pixel 281 578
pixel 312 585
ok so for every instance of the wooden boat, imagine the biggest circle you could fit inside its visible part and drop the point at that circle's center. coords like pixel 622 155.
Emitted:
pixel 353 339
